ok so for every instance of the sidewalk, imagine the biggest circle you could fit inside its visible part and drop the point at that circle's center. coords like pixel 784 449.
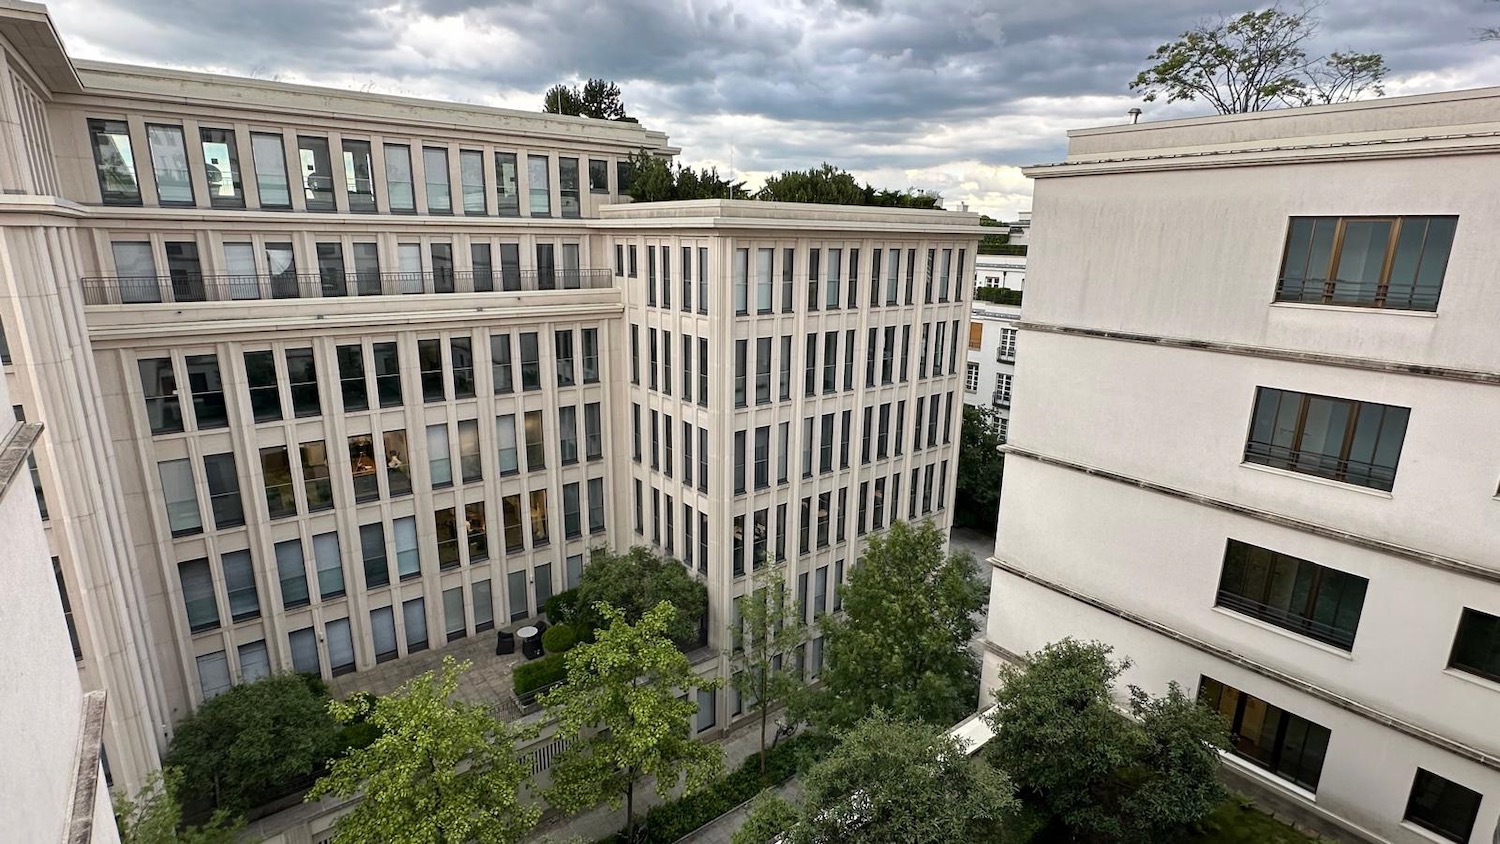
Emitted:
pixel 740 744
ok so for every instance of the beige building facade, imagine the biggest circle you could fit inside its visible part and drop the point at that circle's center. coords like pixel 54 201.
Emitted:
pixel 332 378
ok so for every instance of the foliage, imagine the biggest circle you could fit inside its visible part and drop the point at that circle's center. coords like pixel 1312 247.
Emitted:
pixel 998 243
pixel 1257 61
pixel 769 816
pixel 1098 774
pixel 769 628
pixel 656 179
pixel 255 742
pixel 1236 821
pixel 635 582
pixel 441 771
pixel 598 98
pixel 904 644
pixel 998 295
pixel 1488 33
pixel 539 673
pixel 559 638
pixel 895 782
pixel 672 821
pixel 620 710
pixel 835 186
pixel 981 466
pixel 562 608
pixel 155 817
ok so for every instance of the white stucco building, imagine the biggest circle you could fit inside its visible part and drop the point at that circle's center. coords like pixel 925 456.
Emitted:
pixel 1264 465
pixel 332 378
pixel 1005 271
pixel 989 373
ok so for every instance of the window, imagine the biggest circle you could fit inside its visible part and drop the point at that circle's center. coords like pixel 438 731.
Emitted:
pixel 223 490
pixel 831 292
pixel 538 518
pixel 1007 351
pixel 572 512
pixel 351 360
pixel 213 674
pixel 430 365
pixel 598 176
pixel 810 367
pixel 398 179
pixel 181 495
pixel 265 395
pixel 568 187
pixel 291 570
pixel 567 437
pixel 1476 647
pixel 239 583
pixel 372 555
pixel 506 189
pixel 739 462
pixel 763 457
pixel 1292 593
pixel 1442 806
pixel 500 363
pixel 302 377
pixel 471 465
pixel 315 478
pixel 596 505
pixel 482 267
pixel 281 265
pixel 971 379
pixel 387 374
pixel 531 369
pixel 703 372
pixel 222 162
pixel 786 367
pixel 505 437
pixel 1339 439
pixel 540 204
pixel 825 441
pixel 414 618
pixel 454 623
pixel 114 162
pixel 359 175
pixel 783 447
pixel 276 469
pixel 383 633
pixel 708 708
pixel 397 464
pixel 536 453
pixel 740 274
pixel 340 646
pixel 741 351
pixel 442 267
pixel 1287 745
pixel 1372 262
pixel 471 179
pixel 813 272
pixel 304 648
pixel 563 357
pixel 830 361
pixel 408 558
pixel 591 355
pixel 484 607
pixel 67 608
pixel 198 595
pixel 439 457
pixel 476 532
pixel 435 177
pixel 329 564
pixel 317 173
pixel 445 526
pixel 1003 384
pixel 174 184
pixel 763 280
pixel 271 182
pixel 160 387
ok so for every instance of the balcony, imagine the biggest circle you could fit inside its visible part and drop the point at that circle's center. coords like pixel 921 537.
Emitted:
pixel 198 287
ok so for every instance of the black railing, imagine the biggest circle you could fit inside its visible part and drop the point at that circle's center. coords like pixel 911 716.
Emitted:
pixel 1325 633
pixel 1358 294
pixel 1329 466
pixel 199 287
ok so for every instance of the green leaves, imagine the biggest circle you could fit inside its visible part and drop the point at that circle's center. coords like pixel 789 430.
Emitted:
pixel 659 180
pixel 154 816
pixel 441 770
pixel 835 186
pixel 770 629
pixel 636 581
pixel 599 99
pixel 981 467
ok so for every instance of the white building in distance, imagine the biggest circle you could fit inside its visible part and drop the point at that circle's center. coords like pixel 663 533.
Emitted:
pixel 990 369
pixel 1265 461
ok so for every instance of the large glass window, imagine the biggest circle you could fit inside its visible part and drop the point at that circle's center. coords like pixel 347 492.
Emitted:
pixel 538 518
pixel 598 176
pixel 372 554
pixel 387 374
pixel 567 435
pixel 562 342
pixel 271 183
pixel 291 570
pixel 476 533
pixel 454 623
pixel 383 633
pixel 398 179
pixel 506 190
pixel 445 524
pixel 213 674
pixel 329 564
pixel 239 582
pixel 596 505
pixel 537 175
pixel 1287 745
pixel 351 360
pixel 484 607
pixel 281 266
pixel 414 617
pixel 208 392
pixel 505 437
pixel 159 383
pixel 304 648
pixel 316 482
pixel 198 595
pixel 332 278
pixel 302 378
pixel 359 175
pixel 169 163
pixel 510 516
pixel 135 269
pixel 1442 806
pixel 568 187
pixel 536 452
pixel 181 495
pixel 531 372
pixel 469 462
pixel 340 646
pixel 1289 592
pixel 1339 439
pixel 276 471
pixel 471 178
pixel 408 558
pixel 115 162
pixel 1476 648
pixel 740 278
pixel 591 355
pixel 481 267
pixel 1373 262
pixel 439 458
pixel 430 365
pixel 224 490
pixel 435 176
pixel 316 168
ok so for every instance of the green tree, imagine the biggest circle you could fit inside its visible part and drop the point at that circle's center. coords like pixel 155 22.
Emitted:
pixel 831 185
pixel 441 772
pixel 893 782
pixel 1257 61
pixel 1100 775
pixel 770 629
pixel 981 466
pixel 600 99
pixel 562 99
pixel 655 179
pixel 155 817
pixel 903 645
pixel 636 581
pixel 620 710
pixel 245 746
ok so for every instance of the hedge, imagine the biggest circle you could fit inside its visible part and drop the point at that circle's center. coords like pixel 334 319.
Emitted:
pixel 562 607
pixel 998 295
pixel 670 821
pixel 559 638
pixel 531 676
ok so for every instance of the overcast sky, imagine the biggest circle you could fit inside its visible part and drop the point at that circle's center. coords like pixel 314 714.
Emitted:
pixel 952 95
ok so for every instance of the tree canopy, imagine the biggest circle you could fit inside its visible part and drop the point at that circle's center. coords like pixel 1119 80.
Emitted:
pixel 636 581
pixel 1100 775
pixel 619 708
pixel 598 98
pixel 655 179
pixel 155 817
pixel 770 630
pixel 442 771
pixel 903 645
pixel 1257 61
pixel 981 466
pixel 245 746
pixel 891 782
pixel 834 186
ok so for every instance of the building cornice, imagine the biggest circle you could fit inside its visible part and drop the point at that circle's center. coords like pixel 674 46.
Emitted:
pixel 14 448
pixel 1483 757
pixel 85 791
pixel 1388 367
pixel 1426 558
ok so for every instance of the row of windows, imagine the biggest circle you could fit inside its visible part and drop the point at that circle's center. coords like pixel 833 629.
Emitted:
pixel 321 185
pixel 1295 748
pixel 446 370
pixel 460 534
pixel 832 284
pixel 268 268
pixel 627 265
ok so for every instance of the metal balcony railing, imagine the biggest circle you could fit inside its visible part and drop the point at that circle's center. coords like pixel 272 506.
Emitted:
pixel 1339 637
pixel 1360 294
pixel 179 287
pixel 1000 399
pixel 1330 466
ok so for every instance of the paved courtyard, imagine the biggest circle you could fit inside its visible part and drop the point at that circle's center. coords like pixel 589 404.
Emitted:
pixel 487 682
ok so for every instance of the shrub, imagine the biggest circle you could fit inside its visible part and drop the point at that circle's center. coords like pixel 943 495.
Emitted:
pixel 562 608
pixel 998 295
pixel 559 639
pixel 534 675
pixel 637 581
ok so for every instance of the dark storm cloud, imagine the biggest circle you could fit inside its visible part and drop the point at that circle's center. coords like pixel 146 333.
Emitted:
pixel 873 85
